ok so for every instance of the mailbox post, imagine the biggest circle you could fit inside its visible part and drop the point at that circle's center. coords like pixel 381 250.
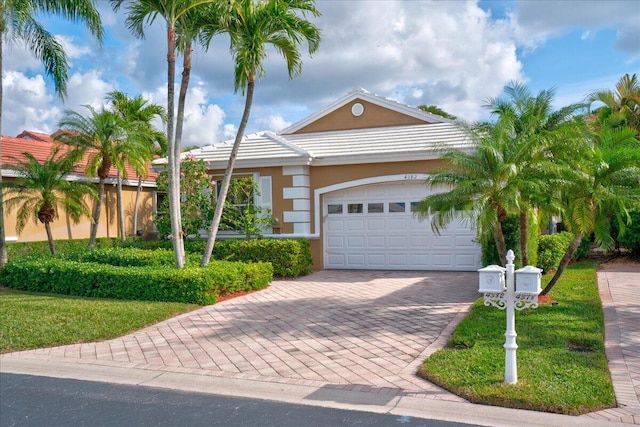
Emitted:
pixel 504 293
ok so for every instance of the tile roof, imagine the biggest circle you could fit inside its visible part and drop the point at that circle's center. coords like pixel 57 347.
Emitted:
pixel 40 146
pixel 396 143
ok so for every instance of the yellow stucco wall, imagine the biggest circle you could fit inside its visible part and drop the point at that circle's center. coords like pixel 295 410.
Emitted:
pixel 64 228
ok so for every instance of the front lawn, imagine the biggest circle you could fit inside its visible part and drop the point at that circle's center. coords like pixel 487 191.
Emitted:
pixel 32 320
pixel 561 360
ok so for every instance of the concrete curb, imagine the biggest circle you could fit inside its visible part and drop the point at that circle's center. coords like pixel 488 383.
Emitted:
pixel 299 394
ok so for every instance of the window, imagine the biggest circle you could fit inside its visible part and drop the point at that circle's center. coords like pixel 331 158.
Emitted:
pixel 375 207
pixel 396 207
pixel 354 208
pixel 334 209
pixel 414 206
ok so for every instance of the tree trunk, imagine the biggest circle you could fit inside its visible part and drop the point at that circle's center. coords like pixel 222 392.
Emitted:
pixel 52 247
pixel 224 187
pixel 524 236
pixel 568 255
pixel 135 208
pixel 3 240
pixel 501 246
pixel 96 214
pixel 177 236
pixel 120 207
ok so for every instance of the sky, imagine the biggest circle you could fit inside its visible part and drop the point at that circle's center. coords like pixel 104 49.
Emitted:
pixel 455 54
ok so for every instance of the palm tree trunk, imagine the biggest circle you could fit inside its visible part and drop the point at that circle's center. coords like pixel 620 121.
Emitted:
pixel 135 208
pixel 501 246
pixel 120 207
pixel 52 247
pixel 524 236
pixel 3 240
pixel 568 255
pixel 224 187
pixel 96 214
pixel 177 236
pixel 182 96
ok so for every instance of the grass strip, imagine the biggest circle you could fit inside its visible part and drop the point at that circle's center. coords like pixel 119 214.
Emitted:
pixel 562 366
pixel 35 320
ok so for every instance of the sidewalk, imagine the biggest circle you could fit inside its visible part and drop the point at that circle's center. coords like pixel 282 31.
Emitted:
pixel 340 339
pixel 620 294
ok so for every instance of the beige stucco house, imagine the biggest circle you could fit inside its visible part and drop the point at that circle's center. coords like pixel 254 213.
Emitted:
pixel 347 179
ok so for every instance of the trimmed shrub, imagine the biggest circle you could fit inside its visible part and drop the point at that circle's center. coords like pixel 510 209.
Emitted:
pixel 63 247
pixel 289 257
pixel 551 249
pixel 195 285
pixel 631 237
pixel 126 257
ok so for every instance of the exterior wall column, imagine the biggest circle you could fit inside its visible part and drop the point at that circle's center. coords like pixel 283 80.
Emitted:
pixel 299 193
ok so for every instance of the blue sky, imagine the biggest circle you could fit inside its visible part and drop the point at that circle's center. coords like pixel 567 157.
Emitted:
pixel 454 54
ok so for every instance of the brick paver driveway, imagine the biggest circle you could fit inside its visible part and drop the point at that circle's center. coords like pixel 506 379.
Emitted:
pixel 365 330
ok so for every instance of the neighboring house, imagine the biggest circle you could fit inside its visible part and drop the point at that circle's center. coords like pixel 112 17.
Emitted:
pixel 40 146
pixel 348 177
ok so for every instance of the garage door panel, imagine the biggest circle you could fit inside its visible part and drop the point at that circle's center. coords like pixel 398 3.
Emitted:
pixel 335 242
pixel 376 242
pixel 376 237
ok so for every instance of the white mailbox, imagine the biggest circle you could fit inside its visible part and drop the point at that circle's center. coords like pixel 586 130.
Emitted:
pixel 492 279
pixel 528 280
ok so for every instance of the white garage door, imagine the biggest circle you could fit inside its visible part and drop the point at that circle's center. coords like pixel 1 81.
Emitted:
pixel 373 227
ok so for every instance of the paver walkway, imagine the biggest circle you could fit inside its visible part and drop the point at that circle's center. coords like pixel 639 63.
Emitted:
pixel 363 331
pixel 620 294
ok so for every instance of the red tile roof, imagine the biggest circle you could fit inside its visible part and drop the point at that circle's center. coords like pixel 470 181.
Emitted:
pixel 40 146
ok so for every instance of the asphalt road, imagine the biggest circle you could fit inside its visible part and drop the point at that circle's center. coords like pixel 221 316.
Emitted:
pixel 27 400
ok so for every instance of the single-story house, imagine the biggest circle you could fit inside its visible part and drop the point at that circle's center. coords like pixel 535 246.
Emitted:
pixel 40 146
pixel 348 178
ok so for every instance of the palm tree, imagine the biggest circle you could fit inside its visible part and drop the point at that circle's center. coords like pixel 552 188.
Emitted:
pixel 253 27
pixel 621 107
pixel 534 132
pixel 141 13
pixel 480 183
pixel 141 144
pixel 605 185
pixel 96 136
pixel 41 189
pixel 17 19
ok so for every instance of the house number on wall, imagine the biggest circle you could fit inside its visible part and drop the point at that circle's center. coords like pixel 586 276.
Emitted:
pixel 411 176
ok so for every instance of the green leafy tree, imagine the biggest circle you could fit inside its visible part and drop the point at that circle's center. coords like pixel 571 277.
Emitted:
pixel 18 22
pixel 619 107
pixel 434 109
pixel 41 190
pixel 175 14
pixel 604 186
pixel 96 136
pixel 197 199
pixel 254 26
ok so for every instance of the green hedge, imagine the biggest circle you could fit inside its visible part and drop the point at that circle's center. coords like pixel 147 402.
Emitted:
pixel 154 283
pixel 127 257
pixel 289 257
pixel 551 249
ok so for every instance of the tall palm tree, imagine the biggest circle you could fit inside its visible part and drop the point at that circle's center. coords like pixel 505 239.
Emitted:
pixel 253 26
pixel 141 13
pixel 97 136
pixel 41 190
pixel 17 19
pixel 605 184
pixel 534 131
pixel 142 142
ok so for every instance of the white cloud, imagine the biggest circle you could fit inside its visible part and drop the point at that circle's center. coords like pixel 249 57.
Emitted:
pixel 27 105
pixel 72 49
pixel 273 122
pixel 535 22
pixel 86 89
